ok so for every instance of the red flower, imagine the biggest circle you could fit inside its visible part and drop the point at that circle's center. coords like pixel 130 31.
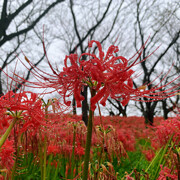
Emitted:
pixel 166 172
pixel 165 130
pixel 149 154
pixel 53 149
pixel 107 74
pixel 26 104
pixel 6 154
pixel 79 150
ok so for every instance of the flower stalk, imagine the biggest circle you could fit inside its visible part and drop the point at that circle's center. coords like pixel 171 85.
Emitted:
pixel 88 140
pixel 8 131
pixel 73 151
pixel 44 160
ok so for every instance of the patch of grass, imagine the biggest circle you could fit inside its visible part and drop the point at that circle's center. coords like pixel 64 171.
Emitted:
pixel 135 160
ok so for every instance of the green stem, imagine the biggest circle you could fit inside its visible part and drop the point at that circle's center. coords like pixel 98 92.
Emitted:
pixel 73 151
pixel 162 157
pixel 50 159
pixel 88 141
pixel 14 168
pixel 44 166
pixel 88 146
pixel 41 155
pixel 8 131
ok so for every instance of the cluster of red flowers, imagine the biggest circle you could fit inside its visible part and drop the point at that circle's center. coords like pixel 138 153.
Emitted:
pixel 166 173
pixel 117 141
pixel 62 136
pixel 164 131
pixel 149 154
pixel 25 106
pixel 25 109
pixel 7 154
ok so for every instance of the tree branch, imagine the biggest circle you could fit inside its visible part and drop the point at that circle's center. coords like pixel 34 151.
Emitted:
pixel 160 57
pixel 75 24
pixel 21 8
pixel 25 30
pixel 92 28
pixel 3 19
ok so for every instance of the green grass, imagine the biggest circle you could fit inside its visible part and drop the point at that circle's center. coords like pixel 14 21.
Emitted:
pixel 28 166
pixel 135 160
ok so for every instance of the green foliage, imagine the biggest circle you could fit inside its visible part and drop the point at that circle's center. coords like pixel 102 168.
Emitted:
pixel 135 160
pixel 27 168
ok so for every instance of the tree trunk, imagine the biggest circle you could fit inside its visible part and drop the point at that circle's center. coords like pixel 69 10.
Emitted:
pixel 165 110
pixel 1 90
pixel 74 106
pixel 85 106
pixel 149 117
pixel 149 112
pixel 124 113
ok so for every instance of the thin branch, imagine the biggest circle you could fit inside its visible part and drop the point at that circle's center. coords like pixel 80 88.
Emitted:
pixel 75 24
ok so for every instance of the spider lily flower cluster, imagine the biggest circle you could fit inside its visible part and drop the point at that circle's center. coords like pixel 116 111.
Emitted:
pixel 108 75
pixel 24 106
pixel 21 111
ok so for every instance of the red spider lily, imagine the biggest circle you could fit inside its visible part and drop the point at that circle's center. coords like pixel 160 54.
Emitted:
pixel 79 150
pixel 6 155
pixel 149 154
pixel 53 149
pixel 165 130
pixel 166 173
pixel 12 102
pixel 26 106
pixel 108 75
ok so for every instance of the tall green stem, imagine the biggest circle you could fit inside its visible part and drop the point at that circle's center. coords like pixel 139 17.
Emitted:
pixel 45 144
pixel 8 131
pixel 73 151
pixel 88 142
pixel 41 154
pixel 44 161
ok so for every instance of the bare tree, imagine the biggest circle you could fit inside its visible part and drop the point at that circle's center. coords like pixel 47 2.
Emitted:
pixel 18 21
pixel 158 26
pixel 168 105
